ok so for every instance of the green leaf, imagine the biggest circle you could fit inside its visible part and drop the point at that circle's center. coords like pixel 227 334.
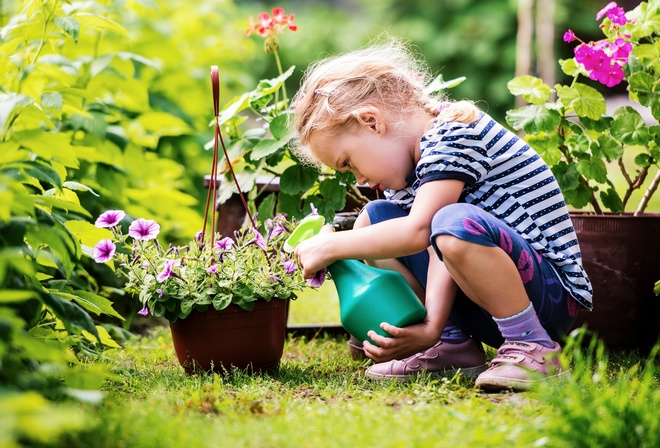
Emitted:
pixel 333 192
pixel 641 85
pixel 12 295
pixel 533 89
pixel 593 168
pixel 612 200
pixel 278 127
pixel 567 176
pixel 11 103
pixel 298 179
pixel 579 197
pixel 571 67
pixel 609 148
pixel 95 303
pixel 265 148
pixel 95 22
pixel 439 84
pixel 629 127
pixel 69 25
pixel 547 146
pixel 267 207
pixel 44 173
pixel 533 119
pixel 52 100
pixel 72 316
pixel 643 160
pixel 583 99
pixel 60 204
pixel 77 186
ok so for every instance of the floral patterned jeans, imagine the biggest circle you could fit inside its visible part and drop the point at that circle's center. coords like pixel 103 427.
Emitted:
pixel 555 307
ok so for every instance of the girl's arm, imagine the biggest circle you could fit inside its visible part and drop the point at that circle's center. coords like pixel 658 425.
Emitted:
pixel 388 239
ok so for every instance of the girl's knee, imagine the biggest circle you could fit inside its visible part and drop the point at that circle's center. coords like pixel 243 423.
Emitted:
pixel 450 246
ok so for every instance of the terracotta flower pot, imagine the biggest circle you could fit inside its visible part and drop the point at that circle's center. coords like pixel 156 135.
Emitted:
pixel 621 255
pixel 233 337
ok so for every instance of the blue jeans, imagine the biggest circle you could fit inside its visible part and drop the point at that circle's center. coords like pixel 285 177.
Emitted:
pixel 553 304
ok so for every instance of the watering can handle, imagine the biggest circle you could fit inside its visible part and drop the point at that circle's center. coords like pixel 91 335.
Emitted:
pixel 307 228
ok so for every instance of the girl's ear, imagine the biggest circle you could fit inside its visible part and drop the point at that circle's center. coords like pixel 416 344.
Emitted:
pixel 371 119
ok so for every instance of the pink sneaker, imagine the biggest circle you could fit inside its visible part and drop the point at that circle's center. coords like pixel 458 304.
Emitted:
pixel 468 357
pixel 519 365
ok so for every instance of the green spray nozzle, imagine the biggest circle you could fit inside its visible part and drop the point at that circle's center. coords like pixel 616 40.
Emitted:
pixel 307 228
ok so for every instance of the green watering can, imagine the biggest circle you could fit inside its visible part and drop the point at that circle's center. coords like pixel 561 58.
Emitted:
pixel 367 295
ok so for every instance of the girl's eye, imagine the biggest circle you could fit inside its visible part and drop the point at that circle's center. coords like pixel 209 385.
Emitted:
pixel 346 164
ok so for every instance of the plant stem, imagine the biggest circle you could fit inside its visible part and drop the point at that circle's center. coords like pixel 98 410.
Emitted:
pixel 648 193
pixel 279 69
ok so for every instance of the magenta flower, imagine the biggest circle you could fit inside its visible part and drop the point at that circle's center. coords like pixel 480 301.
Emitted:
pixel 104 251
pixel 144 311
pixel 110 218
pixel 224 244
pixel 590 57
pixel 144 229
pixel 621 49
pixel 167 270
pixel 569 36
pixel 318 279
pixel 258 240
pixel 613 12
pixel 608 75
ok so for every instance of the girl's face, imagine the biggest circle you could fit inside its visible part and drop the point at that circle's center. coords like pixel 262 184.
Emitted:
pixel 377 156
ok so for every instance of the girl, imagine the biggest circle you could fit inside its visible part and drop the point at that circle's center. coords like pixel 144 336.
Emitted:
pixel 473 218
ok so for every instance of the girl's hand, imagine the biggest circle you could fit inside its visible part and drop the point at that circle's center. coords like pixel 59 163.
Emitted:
pixel 313 254
pixel 404 342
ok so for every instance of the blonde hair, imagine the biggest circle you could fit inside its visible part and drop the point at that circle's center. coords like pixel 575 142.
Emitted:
pixel 384 76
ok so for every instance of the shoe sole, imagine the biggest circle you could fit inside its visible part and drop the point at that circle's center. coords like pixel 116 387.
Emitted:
pixel 468 372
pixel 500 384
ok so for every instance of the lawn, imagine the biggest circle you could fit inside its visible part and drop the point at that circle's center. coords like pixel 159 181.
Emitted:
pixel 320 397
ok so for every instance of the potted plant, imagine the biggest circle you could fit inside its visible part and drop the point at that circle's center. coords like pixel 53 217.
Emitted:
pixel 586 147
pixel 226 299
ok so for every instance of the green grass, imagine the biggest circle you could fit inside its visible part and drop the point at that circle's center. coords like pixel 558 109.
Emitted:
pixel 320 397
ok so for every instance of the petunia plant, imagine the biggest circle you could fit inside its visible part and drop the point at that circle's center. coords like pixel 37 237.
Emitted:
pixel 173 281
pixel 574 134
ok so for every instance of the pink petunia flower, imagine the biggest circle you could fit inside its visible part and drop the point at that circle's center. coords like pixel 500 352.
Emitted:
pixel 144 229
pixel 110 218
pixel 167 270
pixel 104 251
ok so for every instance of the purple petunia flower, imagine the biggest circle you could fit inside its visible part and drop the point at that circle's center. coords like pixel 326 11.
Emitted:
pixel 144 229
pixel 224 244
pixel 212 269
pixel 318 279
pixel 199 236
pixel 258 240
pixel 104 251
pixel 159 292
pixel 288 264
pixel 167 270
pixel 274 228
pixel 110 218
pixel 144 311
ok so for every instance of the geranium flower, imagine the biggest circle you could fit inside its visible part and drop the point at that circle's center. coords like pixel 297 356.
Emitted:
pixel 110 218
pixel 167 270
pixel 569 36
pixel 269 27
pixel 144 229
pixel 104 251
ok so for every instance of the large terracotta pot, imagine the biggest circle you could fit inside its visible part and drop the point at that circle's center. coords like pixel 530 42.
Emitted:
pixel 621 255
pixel 233 337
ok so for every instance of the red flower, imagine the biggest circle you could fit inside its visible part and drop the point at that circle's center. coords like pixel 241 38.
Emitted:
pixel 269 27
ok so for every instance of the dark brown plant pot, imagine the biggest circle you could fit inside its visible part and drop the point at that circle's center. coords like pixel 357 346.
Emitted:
pixel 621 255
pixel 233 337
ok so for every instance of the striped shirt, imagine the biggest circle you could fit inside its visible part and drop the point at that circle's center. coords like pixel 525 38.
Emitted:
pixel 504 176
